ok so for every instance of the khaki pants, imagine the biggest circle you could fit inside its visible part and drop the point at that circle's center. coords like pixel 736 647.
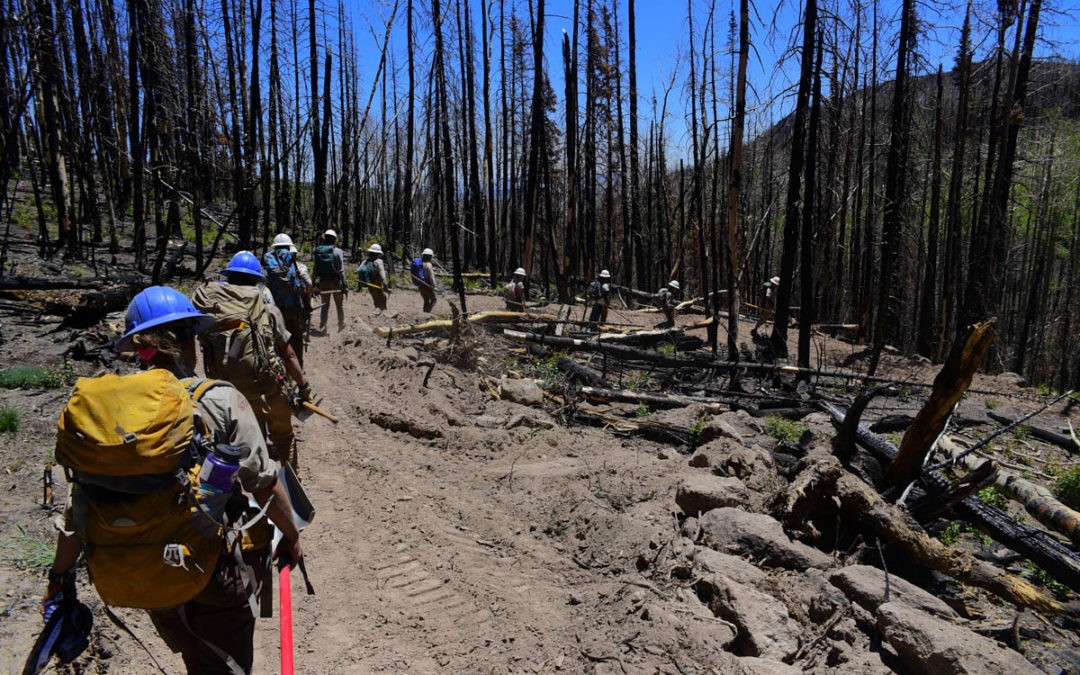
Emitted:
pixel 294 323
pixel 331 288
pixel 275 419
pixel 219 615
pixel 428 294
pixel 378 297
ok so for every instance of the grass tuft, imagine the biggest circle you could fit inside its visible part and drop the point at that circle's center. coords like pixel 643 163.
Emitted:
pixel 9 419
pixel 1067 488
pixel 34 377
pixel 26 551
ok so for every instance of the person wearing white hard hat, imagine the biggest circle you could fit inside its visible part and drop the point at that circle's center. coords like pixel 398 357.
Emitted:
pixel 372 273
pixel 423 277
pixel 666 300
pixel 769 287
pixel 286 285
pixel 514 292
pixel 598 294
pixel 329 263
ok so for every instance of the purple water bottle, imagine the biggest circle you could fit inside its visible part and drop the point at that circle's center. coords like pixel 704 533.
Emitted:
pixel 216 478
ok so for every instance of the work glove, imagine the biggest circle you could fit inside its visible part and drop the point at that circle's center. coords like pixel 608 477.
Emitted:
pixel 306 393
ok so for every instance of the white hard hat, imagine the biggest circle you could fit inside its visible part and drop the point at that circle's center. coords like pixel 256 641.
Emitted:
pixel 282 241
pixel 604 274
pixel 674 284
pixel 775 281
pixel 375 248
pixel 519 272
pixel 330 233
pixel 427 251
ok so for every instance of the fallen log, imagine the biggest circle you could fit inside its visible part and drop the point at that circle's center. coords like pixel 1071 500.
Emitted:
pixel 950 384
pixel 815 489
pixel 654 401
pixel 478 318
pixel 580 373
pixel 1037 500
pixel 22 283
pixel 1036 545
pixel 1060 440
pixel 653 431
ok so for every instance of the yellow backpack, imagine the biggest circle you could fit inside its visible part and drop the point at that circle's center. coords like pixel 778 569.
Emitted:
pixel 131 444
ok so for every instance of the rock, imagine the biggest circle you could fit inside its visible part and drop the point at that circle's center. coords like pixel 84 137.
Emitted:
pixel 732 458
pixel 1013 378
pixel 753 665
pixel 759 536
pixel 927 644
pixel 717 428
pixel 575 599
pixel 525 392
pixel 700 460
pixel 488 421
pixel 701 493
pixel 765 628
pixel 733 567
pixel 865 585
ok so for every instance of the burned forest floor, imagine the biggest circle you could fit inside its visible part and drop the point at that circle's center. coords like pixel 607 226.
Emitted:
pixel 476 513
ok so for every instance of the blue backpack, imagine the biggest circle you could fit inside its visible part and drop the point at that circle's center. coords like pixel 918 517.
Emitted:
pixel 282 277
pixel 416 269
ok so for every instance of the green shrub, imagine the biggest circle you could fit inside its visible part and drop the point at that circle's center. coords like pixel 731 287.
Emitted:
pixel 642 411
pixel 951 533
pixel 784 429
pixel 637 380
pixel 992 403
pixel 667 349
pixel 33 377
pixel 1041 577
pixel 9 419
pixel 992 496
pixel 1067 488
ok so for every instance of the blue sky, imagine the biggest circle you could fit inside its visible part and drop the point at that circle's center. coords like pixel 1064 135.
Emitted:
pixel 663 43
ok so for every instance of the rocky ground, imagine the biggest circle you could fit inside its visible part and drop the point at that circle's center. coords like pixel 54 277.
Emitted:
pixel 460 532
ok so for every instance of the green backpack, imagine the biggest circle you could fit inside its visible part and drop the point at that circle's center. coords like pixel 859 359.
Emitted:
pixel 366 272
pixel 326 262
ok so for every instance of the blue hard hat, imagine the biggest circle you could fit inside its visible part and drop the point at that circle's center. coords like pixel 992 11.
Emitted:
pixel 159 305
pixel 245 262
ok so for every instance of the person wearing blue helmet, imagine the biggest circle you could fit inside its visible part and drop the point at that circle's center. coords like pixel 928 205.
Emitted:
pixel 214 630
pixel 243 318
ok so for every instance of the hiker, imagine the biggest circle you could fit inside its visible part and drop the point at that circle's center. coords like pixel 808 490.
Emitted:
pixel 599 291
pixel 372 273
pixel 330 277
pixel 767 305
pixel 514 292
pixel 196 584
pixel 283 280
pixel 249 346
pixel 666 299
pixel 308 288
pixel 423 277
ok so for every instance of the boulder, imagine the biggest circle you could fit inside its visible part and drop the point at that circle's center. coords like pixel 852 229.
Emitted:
pixel 927 644
pixel 717 428
pixel 760 537
pixel 731 458
pixel 765 628
pixel 525 392
pixel 865 585
pixel 709 562
pixel 700 493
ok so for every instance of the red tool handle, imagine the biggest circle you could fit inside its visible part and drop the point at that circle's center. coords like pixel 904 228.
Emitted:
pixel 285 617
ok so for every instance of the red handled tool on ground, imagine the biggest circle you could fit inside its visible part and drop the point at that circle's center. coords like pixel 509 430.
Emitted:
pixel 303 513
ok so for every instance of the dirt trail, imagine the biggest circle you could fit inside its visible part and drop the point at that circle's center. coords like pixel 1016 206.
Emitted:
pixel 444 553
